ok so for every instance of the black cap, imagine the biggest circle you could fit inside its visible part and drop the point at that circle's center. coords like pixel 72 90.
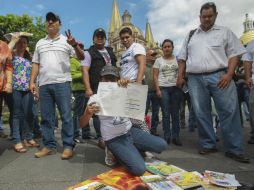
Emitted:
pixel 109 70
pixel 99 31
pixel 52 16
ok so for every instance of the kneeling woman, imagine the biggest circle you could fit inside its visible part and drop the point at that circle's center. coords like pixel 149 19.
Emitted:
pixel 123 140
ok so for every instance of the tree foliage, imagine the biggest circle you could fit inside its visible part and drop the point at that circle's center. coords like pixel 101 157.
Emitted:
pixel 25 23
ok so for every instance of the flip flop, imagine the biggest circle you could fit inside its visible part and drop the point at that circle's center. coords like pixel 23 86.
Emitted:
pixel 31 143
pixel 20 150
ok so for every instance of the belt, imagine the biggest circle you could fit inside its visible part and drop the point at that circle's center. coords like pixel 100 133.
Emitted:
pixel 208 73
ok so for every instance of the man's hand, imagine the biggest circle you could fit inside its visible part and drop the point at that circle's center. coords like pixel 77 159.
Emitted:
pixel 123 82
pixel 89 92
pixel 180 82
pixel 249 82
pixel 92 108
pixel 224 81
pixel 70 39
pixel 32 87
pixel 8 88
pixel 158 93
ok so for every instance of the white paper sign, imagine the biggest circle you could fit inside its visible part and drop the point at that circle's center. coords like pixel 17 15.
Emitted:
pixel 122 102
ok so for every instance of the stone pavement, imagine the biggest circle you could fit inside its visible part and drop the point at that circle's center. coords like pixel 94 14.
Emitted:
pixel 24 172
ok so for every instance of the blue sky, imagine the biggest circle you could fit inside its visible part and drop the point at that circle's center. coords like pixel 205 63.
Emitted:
pixel 81 16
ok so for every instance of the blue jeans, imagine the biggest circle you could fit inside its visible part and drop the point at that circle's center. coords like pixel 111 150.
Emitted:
pixel 170 106
pixel 59 94
pixel 202 88
pixel 152 97
pixel 251 109
pixel 131 143
pixel 78 110
pixel 22 115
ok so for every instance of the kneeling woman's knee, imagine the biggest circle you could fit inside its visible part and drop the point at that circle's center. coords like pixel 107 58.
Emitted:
pixel 161 145
pixel 138 170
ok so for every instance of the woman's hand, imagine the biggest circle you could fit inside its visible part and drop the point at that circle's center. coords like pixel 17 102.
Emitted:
pixel 93 108
pixel 123 82
pixel 8 88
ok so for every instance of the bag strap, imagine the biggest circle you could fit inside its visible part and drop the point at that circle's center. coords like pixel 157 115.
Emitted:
pixel 190 35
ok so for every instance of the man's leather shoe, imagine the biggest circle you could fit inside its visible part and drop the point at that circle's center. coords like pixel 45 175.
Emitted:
pixel 67 154
pixel 44 152
pixel 238 157
pixel 251 141
pixel 205 151
pixel 177 142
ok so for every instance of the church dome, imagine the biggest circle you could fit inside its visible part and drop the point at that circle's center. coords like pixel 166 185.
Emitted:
pixel 247 37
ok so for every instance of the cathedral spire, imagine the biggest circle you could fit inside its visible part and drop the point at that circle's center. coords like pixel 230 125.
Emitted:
pixel 149 36
pixel 116 21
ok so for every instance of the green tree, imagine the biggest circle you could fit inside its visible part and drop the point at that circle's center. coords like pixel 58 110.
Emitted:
pixel 25 23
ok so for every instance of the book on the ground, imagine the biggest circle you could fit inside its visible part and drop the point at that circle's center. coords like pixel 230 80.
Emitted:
pixel 156 182
pixel 187 180
pixel 221 179
pixel 162 168
pixel 95 186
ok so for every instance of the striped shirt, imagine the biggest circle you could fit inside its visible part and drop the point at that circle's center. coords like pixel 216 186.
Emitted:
pixel 53 56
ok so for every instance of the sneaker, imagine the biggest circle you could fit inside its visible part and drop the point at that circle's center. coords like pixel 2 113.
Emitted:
pixel 238 157
pixel 44 152
pixel 149 155
pixel 110 159
pixel 67 154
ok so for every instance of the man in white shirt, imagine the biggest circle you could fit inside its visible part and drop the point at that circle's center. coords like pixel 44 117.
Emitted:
pixel 209 57
pixel 51 61
pixel 248 59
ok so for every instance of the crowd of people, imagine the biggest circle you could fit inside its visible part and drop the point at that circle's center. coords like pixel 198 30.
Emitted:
pixel 60 68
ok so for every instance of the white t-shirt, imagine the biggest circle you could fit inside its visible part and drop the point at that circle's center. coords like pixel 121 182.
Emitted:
pixel 168 70
pixel 104 53
pixel 128 65
pixel 249 56
pixel 53 57
pixel 111 127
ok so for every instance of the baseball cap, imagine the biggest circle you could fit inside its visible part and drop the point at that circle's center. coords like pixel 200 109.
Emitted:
pixel 109 70
pixel 52 16
pixel 99 31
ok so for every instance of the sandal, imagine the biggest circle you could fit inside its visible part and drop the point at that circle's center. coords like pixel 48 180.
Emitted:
pixel 31 143
pixel 20 149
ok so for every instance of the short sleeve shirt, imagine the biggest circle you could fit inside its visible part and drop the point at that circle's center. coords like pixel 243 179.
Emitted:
pixel 128 65
pixel 111 127
pixel 249 55
pixel 168 70
pixel 209 51
pixel 21 73
pixel 53 56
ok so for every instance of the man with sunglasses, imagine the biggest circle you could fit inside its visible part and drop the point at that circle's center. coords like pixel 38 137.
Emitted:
pixel 96 57
pixel 51 61
pixel 209 58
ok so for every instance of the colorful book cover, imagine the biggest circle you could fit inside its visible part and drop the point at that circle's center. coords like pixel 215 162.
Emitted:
pixel 162 168
pixel 95 186
pixel 187 179
pixel 156 182
pixel 117 178
pixel 221 179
